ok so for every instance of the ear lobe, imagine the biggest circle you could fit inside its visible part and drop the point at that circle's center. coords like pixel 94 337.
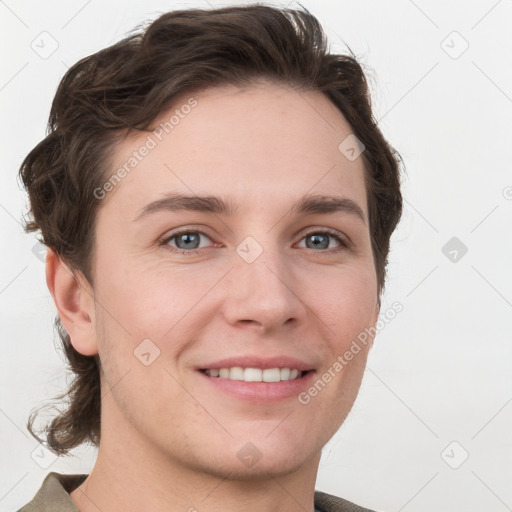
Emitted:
pixel 75 304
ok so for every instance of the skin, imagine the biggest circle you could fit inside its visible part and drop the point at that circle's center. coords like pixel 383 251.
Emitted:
pixel 169 439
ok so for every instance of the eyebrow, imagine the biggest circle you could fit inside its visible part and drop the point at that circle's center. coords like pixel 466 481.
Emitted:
pixel 310 204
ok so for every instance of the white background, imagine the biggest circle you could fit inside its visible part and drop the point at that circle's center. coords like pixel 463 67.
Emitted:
pixel 441 370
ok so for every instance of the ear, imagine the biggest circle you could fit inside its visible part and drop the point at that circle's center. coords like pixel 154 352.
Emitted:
pixel 375 318
pixel 74 299
pixel 377 311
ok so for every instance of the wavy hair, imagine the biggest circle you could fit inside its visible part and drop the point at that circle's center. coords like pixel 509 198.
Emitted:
pixel 124 88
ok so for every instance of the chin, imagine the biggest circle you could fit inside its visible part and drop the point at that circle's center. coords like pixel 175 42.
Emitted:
pixel 250 461
pixel 265 468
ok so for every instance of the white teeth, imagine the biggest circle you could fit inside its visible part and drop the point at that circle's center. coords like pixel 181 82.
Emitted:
pixel 252 375
pixel 255 374
pixel 271 375
pixel 285 373
pixel 236 373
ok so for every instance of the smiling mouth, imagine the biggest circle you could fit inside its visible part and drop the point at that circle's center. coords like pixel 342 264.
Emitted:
pixel 255 374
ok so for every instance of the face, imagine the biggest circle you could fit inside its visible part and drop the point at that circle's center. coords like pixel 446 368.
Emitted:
pixel 257 278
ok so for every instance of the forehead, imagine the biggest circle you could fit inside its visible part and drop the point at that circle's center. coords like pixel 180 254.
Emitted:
pixel 256 144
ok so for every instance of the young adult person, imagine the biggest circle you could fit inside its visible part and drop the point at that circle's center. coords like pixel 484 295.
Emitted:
pixel 217 201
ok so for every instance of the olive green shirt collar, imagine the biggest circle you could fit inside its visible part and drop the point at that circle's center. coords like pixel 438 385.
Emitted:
pixel 53 496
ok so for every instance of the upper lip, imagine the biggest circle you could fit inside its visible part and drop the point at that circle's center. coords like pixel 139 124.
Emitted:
pixel 258 362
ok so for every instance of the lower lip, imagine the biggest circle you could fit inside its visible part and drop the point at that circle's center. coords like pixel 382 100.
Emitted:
pixel 261 392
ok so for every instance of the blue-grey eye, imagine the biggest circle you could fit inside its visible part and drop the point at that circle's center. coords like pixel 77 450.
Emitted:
pixel 317 241
pixel 321 240
pixel 187 240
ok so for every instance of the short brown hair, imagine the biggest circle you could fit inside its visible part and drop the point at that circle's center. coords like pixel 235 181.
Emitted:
pixel 125 87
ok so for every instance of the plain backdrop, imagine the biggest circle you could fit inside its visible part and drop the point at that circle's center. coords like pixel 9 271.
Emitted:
pixel 431 428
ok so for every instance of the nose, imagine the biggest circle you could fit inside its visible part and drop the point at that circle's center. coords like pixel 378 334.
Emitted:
pixel 263 294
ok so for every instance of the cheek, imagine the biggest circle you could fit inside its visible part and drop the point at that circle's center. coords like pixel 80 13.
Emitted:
pixel 347 304
pixel 346 309
pixel 154 303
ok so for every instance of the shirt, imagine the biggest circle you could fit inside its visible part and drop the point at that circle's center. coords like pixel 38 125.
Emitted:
pixel 53 496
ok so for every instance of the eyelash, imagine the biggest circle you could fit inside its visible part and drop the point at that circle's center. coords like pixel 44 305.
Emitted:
pixel 343 243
